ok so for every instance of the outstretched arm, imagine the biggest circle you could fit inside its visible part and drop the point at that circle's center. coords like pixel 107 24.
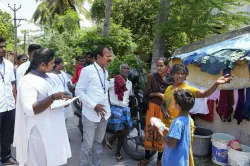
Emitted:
pixel 208 92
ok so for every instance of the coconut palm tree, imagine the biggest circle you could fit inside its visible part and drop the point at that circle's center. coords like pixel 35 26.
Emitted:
pixel 46 11
pixel 108 10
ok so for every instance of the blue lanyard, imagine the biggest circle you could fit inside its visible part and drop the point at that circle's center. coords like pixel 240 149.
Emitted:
pixel 104 77
pixel 2 74
pixel 40 75
pixel 63 81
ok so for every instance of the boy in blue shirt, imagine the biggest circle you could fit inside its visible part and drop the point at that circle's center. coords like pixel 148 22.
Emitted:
pixel 176 151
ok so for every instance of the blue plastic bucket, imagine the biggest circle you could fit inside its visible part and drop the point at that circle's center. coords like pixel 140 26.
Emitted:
pixel 219 148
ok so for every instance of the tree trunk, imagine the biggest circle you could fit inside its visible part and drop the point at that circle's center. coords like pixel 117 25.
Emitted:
pixel 107 18
pixel 60 6
pixel 159 41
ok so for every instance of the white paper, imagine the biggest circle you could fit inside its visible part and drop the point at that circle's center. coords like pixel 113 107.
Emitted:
pixel 62 103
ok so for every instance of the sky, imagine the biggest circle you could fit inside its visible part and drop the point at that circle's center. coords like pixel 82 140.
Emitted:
pixel 26 11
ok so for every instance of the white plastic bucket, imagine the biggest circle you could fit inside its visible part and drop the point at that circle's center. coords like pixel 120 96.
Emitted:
pixel 239 158
pixel 219 148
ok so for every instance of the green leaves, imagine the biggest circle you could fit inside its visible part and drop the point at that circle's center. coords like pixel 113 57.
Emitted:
pixel 7 29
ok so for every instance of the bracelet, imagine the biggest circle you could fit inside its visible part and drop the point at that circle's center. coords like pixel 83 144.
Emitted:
pixel 52 96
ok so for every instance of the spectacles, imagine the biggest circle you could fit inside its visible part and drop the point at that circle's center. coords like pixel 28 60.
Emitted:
pixel 24 59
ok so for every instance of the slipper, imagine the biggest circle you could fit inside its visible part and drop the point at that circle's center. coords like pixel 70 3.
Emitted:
pixel 109 146
pixel 10 161
pixel 119 158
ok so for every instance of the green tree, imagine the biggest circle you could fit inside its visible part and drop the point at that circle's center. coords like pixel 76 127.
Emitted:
pixel 7 29
pixel 193 20
pixel 47 9
pixel 137 15
pixel 70 44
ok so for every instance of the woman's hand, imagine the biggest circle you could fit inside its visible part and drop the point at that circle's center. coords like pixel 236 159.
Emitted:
pixel 61 96
pixel 161 95
pixel 224 79
pixel 166 114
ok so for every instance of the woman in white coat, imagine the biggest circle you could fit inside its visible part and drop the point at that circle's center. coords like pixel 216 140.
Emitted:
pixel 40 137
pixel 62 79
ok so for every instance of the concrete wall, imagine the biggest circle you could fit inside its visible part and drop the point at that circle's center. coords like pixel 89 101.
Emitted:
pixel 241 132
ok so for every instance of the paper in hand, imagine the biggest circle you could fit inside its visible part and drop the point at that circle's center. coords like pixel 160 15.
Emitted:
pixel 62 103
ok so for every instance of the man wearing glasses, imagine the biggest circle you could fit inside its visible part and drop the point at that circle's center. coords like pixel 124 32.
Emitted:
pixel 23 67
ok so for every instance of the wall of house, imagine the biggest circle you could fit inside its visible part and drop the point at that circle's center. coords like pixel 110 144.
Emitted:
pixel 241 132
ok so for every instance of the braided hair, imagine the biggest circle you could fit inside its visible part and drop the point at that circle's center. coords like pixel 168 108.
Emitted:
pixel 42 55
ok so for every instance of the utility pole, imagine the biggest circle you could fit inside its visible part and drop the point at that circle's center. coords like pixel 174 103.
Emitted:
pixel 24 45
pixel 16 25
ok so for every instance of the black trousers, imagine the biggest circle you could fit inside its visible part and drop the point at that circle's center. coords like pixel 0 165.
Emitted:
pixel 7 123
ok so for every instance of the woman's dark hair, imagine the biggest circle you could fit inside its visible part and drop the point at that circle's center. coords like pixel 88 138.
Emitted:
pixel 33 47
pixel 42 55
pixel 57 62
pixel 19 57
pixel 165 60
pixel 99 51
pixel 184 98
pixel 179 68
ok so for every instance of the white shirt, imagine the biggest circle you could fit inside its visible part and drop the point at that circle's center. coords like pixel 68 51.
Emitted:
pixel 21 70
pixel 7 101
pixel 114 98
pixel 62 80
pixel 200 104
pixel 50 123
pixel 91 92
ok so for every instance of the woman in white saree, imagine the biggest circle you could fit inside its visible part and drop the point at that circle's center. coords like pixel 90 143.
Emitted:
pixel 40 137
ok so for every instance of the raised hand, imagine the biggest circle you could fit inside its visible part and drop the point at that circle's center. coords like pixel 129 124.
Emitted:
pixel 224 79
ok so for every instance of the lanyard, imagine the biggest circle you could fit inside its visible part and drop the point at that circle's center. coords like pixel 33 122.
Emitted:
pixel 62 80
pixel 2 74
pixel 40 75
pixel 104 77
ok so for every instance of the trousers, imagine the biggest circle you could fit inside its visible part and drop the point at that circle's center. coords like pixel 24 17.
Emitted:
pixel 93 134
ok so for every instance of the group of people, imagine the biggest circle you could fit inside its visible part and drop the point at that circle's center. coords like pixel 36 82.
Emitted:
pixel 170 100
pixel 39 129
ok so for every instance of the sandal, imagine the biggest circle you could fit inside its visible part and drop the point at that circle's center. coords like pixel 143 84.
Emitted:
pixel 143 162
pixel 108 144
pixel 10 161
pixel 119 158
pixel 158 163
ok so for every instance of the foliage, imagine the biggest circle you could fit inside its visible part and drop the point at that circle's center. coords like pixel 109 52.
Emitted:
pixel 47 9
pixel 189 20
pixel 138 16
pixel 67 22
pixel 68 43
pixel 7 29
pixel 193 20
pixel 119 40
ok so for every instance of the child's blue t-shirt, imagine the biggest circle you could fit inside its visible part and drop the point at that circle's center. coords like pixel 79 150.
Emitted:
pixel 178 156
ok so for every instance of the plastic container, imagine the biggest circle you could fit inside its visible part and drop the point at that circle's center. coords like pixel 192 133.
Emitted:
pixel 202 141
pixel 239 158
pixel 219 148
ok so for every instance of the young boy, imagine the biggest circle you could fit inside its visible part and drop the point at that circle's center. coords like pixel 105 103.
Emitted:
pixel 176 151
